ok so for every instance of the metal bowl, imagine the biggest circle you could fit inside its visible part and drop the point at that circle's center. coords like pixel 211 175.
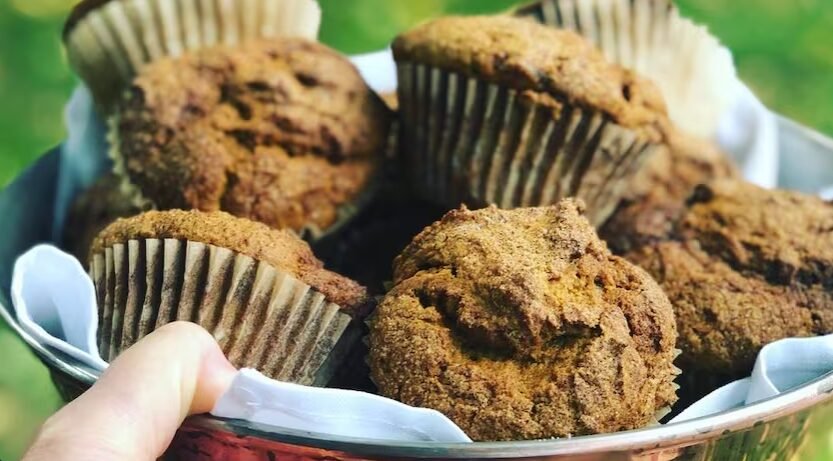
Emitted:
pixel 771 429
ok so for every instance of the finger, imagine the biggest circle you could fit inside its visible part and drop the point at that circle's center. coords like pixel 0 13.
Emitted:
pixel 135 408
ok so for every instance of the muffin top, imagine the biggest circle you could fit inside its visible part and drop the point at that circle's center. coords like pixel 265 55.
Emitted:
pixel 285 132
pixel 744 267
pixel 520 324
pixel 278 248
pixel 547 65
pixel 657 195
pixel 779 233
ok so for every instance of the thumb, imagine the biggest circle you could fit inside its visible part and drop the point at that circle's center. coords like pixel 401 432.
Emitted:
pixel 133 411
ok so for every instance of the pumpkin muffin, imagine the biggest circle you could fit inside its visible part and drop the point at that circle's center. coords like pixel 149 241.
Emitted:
pixel 521 325
pixel 657 194
pixel 281 131
pixel 261 292
pixel 503 110
pixel 279 248
pixel 108 42
pixel 544 64
pixel 744 267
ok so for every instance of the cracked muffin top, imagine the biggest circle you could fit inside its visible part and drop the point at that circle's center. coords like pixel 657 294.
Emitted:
pixel 521 325
pixel 745 267
pixel 657 195
pixel 281 249
pixel 284 132
pixel 545 64
pixel 92 211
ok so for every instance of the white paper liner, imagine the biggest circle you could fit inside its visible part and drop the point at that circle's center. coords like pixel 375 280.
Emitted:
pixel 470 141
pixel 650 37
pixel 110 44
pixel 262 318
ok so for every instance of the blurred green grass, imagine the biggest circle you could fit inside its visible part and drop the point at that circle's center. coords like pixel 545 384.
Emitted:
pixel 782 49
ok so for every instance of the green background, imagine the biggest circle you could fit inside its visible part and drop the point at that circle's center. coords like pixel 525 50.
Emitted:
pixel 783 49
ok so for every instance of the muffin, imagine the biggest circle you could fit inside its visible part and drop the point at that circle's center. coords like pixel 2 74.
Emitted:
pixel 284 132
pixel 109 41
pixel 521 325
pixel 657 195
pixel 92 211
pixel 744 267
pixel 506 111
pixel 261 292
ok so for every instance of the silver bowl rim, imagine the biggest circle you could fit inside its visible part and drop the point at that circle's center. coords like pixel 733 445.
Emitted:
pixel 666 436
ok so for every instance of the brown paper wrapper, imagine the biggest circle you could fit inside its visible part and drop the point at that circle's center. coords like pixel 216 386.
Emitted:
pixel 650 37
pixel 469 141
pixel 262 318
pixel 109 44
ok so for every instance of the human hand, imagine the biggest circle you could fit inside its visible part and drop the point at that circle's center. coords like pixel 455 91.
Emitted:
pixel 135 408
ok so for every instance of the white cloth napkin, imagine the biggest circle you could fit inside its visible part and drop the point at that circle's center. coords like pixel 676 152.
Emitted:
pixel 55 302
pixel 378 69
pixel 336 412
pixel 781 366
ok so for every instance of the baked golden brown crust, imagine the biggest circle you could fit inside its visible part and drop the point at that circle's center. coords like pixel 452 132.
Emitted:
pixel 279 248
pixel 521 325
pixel 657 195
pixel 746 266
pixel 280 131
pixel 92 211
pixel 546 65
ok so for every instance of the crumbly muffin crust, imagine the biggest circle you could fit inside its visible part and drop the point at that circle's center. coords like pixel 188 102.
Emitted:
pixel 280 248
pixel 657 194
pixel 746 266
pixel 546 65
pixel 284 132
pixel 521 325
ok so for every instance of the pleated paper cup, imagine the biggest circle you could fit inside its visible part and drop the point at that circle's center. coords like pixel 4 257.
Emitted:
pixel 262 318
pixel 689 65
pixel 108 42
pixel 466 140
pixel 665 411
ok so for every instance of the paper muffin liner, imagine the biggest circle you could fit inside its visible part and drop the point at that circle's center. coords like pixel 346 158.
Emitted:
pixel 262 318
pixel 688 64
pixel 667 410
pixel 345 212
pixel 109 44
pixel 466 140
